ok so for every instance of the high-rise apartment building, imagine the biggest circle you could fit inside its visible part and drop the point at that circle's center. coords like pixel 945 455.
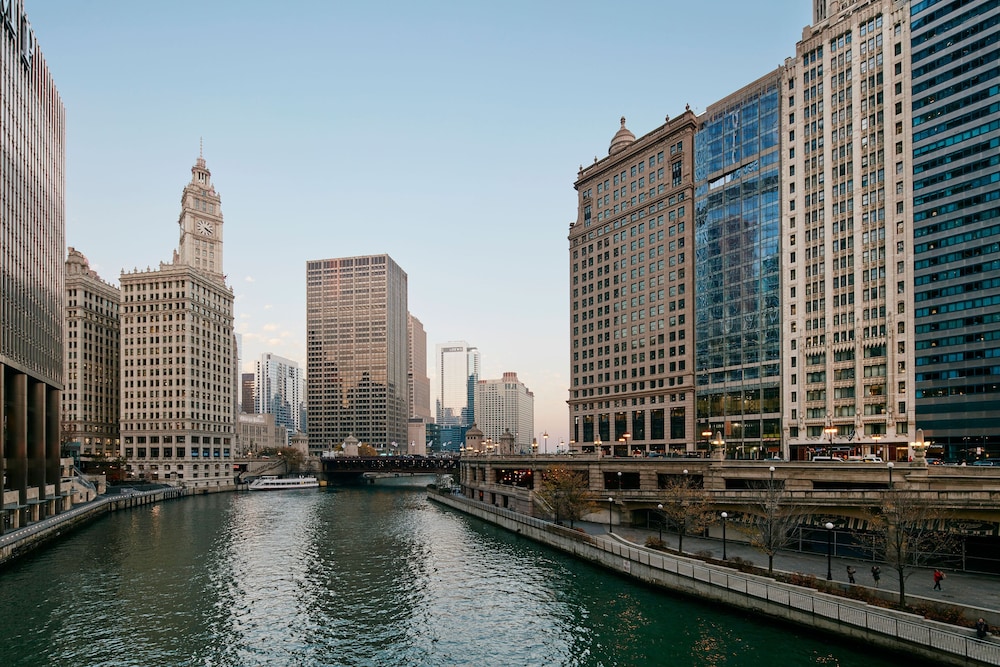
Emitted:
pixel 506 405
pixel 955 100
pixel 632 294
pixel 178 354
pixel 32 266
pixel 849 378
pixel 356 338
pixel 278 390
pixel 419 383
pixel 90 398
pixel 738 270
pixel 457 374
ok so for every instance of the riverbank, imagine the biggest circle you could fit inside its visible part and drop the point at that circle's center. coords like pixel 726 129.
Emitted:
pixel 886 628
pixel 23 541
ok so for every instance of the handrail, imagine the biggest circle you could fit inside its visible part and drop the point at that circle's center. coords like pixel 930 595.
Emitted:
pixel 894 624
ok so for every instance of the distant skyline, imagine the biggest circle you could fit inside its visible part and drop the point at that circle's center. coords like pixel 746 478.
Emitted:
pixel 448 135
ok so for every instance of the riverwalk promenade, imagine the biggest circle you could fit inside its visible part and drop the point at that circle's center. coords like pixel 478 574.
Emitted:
pixel 973 591
pixel 699 573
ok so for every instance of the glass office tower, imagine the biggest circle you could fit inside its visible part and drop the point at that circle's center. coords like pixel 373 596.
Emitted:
pixel 738 271
pixel 956 221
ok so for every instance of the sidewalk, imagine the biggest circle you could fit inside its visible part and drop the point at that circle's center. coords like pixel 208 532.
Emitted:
pixel 959 588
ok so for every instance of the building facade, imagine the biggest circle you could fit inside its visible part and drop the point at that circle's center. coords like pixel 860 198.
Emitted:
pixel 32 266
pixel 246 393
pixel 505 405
pixel 632 295
pixel 356 339
pixel 419 383
pixel 278 390
pixel 178 354
pixel 91 398
pixel 955 102
pixel 259 432
pixel 457 374
pixel 738 271
pixel 849 383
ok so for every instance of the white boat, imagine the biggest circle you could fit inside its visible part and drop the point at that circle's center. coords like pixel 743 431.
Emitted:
pixel 275 483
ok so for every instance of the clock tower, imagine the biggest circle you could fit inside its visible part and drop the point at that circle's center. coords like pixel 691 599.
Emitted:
pixel 200 222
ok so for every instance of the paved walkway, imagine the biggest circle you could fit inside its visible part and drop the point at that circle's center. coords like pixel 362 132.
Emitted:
pixel 961 588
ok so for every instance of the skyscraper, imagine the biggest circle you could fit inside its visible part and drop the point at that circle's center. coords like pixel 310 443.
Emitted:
pixel 457 374
pixel 848 381
pixel 505 404
pixel 956 214
pixel 178 375
pixel 32 269
pixel 246 393
pixel 356 339
pixel 278 390
pixel 738 270
pixel 419 383
pixel 90 399
pixel 632 289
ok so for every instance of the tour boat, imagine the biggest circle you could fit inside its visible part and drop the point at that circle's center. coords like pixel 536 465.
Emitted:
pixel 275 483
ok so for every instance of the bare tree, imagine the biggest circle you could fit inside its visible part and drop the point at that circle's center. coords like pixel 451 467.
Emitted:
pixel 293 458
pixel 686 505
pixel 907 532
pixel 773 522
pixel 566 492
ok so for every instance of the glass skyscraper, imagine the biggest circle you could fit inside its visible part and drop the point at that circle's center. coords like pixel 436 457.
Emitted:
pixel 956 223
pixel 738 270
pixel 457 375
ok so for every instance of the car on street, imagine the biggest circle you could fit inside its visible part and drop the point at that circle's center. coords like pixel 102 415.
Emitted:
pixel 986 462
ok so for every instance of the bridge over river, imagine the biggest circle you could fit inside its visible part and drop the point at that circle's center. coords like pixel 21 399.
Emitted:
pixel 346 469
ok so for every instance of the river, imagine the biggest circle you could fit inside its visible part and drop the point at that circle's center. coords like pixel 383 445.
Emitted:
pixel 363 576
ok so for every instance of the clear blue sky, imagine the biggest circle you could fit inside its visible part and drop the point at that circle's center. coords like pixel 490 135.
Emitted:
pixel 447 134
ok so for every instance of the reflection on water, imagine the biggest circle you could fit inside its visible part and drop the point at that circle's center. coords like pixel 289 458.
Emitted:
pixel 365 576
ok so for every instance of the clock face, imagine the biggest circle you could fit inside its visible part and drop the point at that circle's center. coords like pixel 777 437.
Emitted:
pixel 205 228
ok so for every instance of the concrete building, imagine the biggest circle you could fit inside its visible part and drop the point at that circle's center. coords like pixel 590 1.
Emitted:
pixel 457 374
pixel 417 380
pixel 738 271
pixel 32 271
pixel 356 339
pixel 506 406
pixel 91 398
pixel 178 377
pixel 847 194
pixel 632 295
pixel 278 390
pixel 260 432
pixel 949 51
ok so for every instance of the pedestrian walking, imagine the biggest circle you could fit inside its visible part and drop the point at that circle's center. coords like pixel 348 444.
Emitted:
pixel 876 573
pixel 938 576
pixel 982 629
pixel 850 574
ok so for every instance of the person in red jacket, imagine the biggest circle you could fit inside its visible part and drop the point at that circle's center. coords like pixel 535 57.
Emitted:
pixel 938 576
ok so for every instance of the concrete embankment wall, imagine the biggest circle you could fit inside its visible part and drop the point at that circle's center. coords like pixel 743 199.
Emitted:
pixel 937 642
pixel 25 540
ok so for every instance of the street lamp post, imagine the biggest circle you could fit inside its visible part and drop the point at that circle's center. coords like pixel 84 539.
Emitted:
pixel 831 431
pixel 545 442
pixel 597 446
pixel 724 517
pixel 619 483
pixel 876 437
pixel 771 485
pixel 829 534
pixel 610 503
pixel 889 465
pixel 534 448
pixel 660 507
